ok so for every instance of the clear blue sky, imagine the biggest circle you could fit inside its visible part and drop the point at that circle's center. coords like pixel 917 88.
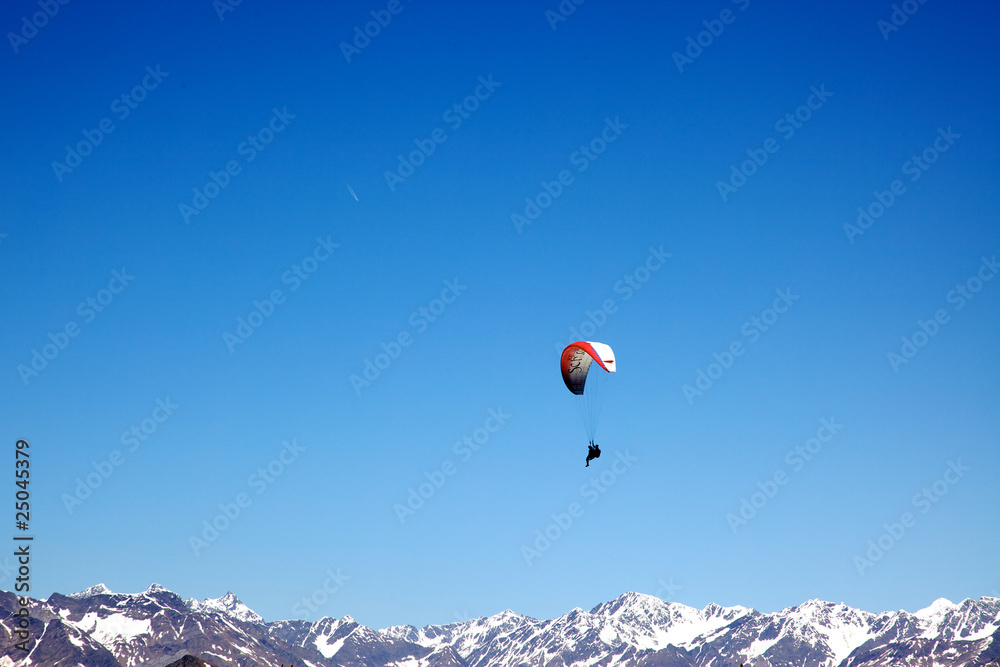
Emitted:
pixel 279 74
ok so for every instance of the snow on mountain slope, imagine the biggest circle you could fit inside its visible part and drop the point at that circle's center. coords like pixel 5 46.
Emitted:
pixel 647 622
pixel 462 636
pixel 841 628
pixel 636 625
pixel 99 589
pixel 968 620
pixel 640 621
pixel 98 628
pixel 229 605
pixel 113 628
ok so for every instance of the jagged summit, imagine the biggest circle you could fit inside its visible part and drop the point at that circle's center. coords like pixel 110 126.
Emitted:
pixel 506 615
pixel 937 608
pixel 626 600
pixel 229 605
pixel 99 589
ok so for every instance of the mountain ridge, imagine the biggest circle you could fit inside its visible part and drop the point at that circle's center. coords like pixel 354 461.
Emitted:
pixel 99 628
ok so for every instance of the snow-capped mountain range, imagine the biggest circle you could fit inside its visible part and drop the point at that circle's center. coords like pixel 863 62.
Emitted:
pixel 99 628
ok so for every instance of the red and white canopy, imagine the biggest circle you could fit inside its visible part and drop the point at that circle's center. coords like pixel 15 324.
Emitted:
pixel 577 358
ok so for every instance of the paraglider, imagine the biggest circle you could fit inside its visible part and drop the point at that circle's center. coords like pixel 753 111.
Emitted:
pixel 589 388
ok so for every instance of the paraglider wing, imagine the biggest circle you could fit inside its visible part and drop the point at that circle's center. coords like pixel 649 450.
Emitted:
pixel 577 358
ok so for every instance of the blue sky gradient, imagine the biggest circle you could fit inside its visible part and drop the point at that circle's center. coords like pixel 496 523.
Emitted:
pixel 353 274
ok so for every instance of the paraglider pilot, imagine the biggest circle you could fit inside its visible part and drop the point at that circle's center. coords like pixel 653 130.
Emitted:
pixel 593 452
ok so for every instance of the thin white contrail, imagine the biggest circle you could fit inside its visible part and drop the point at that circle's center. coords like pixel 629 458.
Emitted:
pixel 351 190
